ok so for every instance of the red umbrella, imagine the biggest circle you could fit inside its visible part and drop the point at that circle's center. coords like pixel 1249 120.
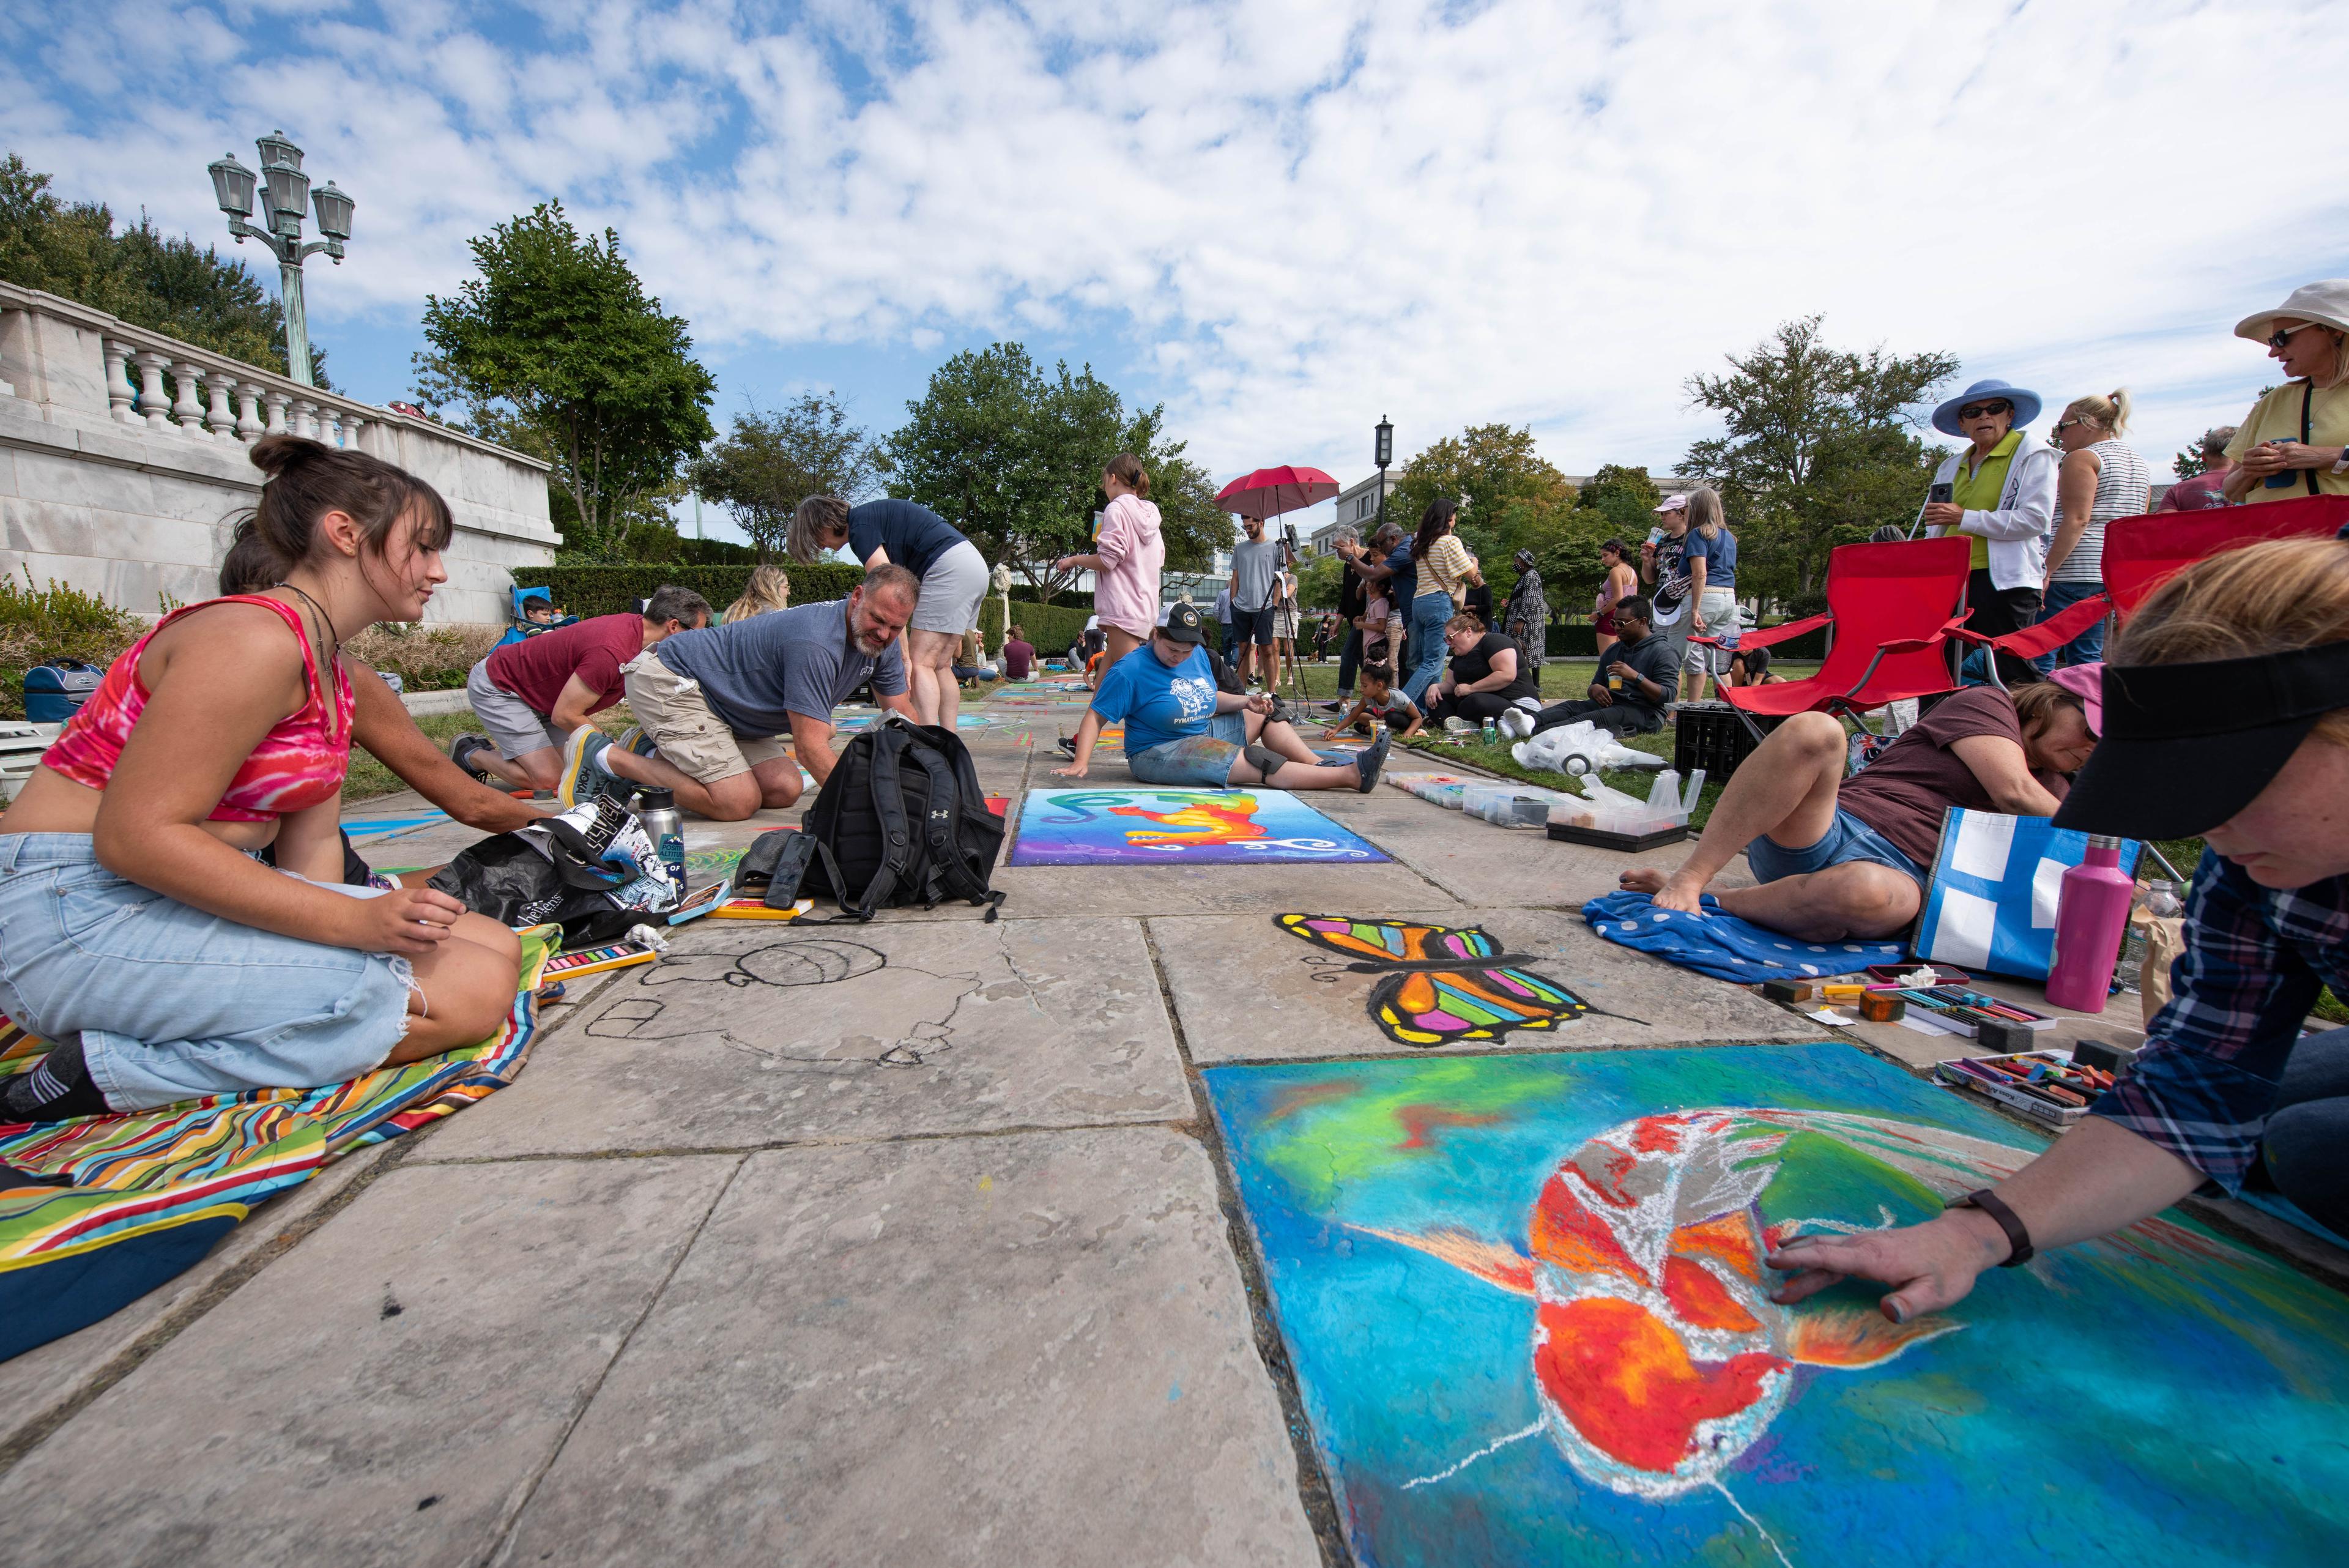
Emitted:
pixel 1269 492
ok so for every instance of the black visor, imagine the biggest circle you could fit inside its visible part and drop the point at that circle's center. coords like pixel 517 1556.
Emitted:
pixel 2187 746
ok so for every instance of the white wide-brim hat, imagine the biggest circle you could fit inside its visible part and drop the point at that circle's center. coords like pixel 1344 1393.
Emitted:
pixel 2325 300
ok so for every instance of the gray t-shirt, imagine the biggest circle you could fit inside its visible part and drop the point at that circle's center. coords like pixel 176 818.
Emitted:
pixel 756 673
pixel 1256 561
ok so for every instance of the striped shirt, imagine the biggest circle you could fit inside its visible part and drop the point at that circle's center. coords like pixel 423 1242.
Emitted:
pixel 2121 481
pixel 1447 563
pixel 2255 956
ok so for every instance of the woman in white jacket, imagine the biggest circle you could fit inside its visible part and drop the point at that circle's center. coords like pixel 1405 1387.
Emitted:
pixel 2002 492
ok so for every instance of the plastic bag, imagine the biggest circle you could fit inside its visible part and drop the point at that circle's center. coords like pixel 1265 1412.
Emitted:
pixel 593 870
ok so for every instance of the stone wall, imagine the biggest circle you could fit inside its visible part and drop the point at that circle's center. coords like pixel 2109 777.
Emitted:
pixel 131 490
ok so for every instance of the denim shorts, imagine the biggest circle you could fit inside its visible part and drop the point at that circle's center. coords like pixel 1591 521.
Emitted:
pixel 1203 760
pixel 173 1003
pixel 1847 840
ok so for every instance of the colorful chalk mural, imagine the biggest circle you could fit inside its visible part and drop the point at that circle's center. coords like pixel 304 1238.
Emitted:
pixel 1438 983
pixel 1525 1301
pixel 1145 826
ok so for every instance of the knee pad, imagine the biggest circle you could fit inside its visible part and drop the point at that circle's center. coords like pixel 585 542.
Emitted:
pixel 1263 759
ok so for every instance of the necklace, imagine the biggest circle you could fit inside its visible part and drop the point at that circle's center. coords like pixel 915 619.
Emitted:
pixel 334 652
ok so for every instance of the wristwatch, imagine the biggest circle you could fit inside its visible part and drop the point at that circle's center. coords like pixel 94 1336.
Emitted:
pixel 2017 1236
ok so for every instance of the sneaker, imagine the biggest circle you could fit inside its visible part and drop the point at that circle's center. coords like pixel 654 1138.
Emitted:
pixel 1516 724
pixel 1344 702
pixel 460 752
pixel 634 738
pixel 1068 744
pixel 584 776
pixel 1372 758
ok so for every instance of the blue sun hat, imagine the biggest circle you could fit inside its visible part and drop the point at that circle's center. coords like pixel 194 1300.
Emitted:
pixel 2026 404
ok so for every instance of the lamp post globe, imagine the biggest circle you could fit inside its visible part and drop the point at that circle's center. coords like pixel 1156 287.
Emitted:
pixel 232 186
pixel 285 200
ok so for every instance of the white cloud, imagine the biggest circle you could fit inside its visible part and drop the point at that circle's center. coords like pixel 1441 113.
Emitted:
pixel 1292 218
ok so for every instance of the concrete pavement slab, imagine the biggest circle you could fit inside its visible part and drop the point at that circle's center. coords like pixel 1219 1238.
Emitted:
pixel 1245 990
pixel 33 1386
pixel 1031 1349
pixel 385 1393
pixel 752 1034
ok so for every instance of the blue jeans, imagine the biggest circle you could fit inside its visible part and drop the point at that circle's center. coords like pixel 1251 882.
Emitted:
pixel 2086 649
pixel 1203 760
pixel 173 1003
pixel 1846 839
pixel 2308 1128
pixel 1428 614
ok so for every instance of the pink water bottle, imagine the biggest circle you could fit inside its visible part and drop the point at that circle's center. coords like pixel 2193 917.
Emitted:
pixel 2091 916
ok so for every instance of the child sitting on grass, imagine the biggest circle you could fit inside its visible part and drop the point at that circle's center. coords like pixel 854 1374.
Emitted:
pixel 1385 702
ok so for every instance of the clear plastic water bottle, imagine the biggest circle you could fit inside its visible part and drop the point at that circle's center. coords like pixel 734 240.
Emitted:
pixel 656 809
pixel 2160 903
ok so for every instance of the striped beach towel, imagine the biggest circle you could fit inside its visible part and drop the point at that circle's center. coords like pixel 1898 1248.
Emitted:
pixel 152 1191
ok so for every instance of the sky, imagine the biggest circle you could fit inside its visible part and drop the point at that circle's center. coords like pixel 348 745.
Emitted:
pixel 1281 221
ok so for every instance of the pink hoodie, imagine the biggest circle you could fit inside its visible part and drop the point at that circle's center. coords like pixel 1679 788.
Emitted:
pixel 1126 596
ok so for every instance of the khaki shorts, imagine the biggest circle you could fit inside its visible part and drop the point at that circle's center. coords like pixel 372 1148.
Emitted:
pixel 691 738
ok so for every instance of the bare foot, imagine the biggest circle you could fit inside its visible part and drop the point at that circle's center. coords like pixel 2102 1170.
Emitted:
pixel 1681 892
pixel 1642 879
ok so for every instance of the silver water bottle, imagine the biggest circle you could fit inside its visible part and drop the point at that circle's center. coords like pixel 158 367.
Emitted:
pixel 656 809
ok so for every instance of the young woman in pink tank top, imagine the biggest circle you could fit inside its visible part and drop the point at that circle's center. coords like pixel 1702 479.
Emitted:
pixel 161 959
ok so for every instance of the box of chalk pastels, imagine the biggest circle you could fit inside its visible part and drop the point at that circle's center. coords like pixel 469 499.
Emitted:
pixel 2045 1086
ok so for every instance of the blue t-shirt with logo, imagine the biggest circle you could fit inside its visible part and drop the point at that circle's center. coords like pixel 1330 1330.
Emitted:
pixel 1155 703
pixel 1405 584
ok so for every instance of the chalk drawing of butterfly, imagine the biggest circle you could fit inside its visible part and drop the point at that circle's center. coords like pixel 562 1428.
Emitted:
pixel 1439 984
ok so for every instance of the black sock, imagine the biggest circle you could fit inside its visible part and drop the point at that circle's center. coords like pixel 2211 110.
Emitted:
pixel 59 1090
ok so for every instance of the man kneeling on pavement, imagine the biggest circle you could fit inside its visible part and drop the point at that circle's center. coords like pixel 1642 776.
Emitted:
pixel 1838 858
pixel 532 696
pixel 715 704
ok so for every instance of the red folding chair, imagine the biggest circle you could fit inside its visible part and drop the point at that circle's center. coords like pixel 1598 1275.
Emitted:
pixel 2142 553
pixel 1893 608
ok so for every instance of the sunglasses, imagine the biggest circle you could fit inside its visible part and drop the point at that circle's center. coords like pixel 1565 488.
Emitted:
pixel 2278 339
pixel 1976 411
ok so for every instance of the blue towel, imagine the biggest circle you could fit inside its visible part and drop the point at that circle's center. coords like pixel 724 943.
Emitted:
pixel 1723 946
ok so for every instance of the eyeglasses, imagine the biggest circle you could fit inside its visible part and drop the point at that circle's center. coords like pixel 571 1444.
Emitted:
pixel 1976 411
pixel 2278 339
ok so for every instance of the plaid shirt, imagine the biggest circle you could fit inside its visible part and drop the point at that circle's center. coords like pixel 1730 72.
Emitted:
pixel 2254 959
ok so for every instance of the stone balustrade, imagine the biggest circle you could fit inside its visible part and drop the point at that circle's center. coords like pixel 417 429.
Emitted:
pixel 122 462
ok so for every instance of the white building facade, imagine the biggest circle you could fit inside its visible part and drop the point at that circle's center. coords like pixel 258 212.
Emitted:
pixel 131 491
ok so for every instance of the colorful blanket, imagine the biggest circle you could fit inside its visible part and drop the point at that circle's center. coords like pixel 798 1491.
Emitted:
pixel 153 1191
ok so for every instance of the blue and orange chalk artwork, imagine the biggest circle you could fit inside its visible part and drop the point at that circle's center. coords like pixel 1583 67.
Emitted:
pixel 1525 1301
pixel 1141 825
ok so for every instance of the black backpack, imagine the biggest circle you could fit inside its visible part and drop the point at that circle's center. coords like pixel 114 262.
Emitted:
pixel 902 820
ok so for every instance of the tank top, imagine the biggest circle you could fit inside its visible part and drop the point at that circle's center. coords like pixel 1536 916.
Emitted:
pixel 296 765
pixel 2120 492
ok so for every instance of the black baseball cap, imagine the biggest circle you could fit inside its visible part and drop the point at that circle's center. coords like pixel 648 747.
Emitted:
pixel 1182 624
pixel 2187 746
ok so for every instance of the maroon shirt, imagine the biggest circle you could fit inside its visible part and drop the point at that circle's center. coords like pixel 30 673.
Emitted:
pixel 537 668
pixel 2198 493
pixel 1019 657
pixel 1903 792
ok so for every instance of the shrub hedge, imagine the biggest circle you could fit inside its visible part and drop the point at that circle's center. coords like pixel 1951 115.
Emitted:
pixel 608 591
pixel 1051 628
pixel 1579 640
pixel 39 625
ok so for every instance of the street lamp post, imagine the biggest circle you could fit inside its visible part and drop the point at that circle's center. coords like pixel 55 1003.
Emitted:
pixel 1383 454
pixel 286 197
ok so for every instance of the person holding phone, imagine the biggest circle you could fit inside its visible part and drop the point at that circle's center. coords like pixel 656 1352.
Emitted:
pixel 2295 439
pixel 2000 492
pixel 1636 679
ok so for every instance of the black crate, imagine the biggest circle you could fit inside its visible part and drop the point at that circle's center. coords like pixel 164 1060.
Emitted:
pixel 1713 736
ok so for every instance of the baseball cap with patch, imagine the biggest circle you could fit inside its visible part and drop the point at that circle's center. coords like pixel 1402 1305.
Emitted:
pixel 2184 747
pixel 1182 624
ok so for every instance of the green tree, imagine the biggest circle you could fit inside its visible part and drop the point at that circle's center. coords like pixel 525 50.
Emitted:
pixel 772 461
pixel 1490 469
pixel 1820 450
pixel 143 274
pixel 554 349
pixel 2188 464
pixel 1013 457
